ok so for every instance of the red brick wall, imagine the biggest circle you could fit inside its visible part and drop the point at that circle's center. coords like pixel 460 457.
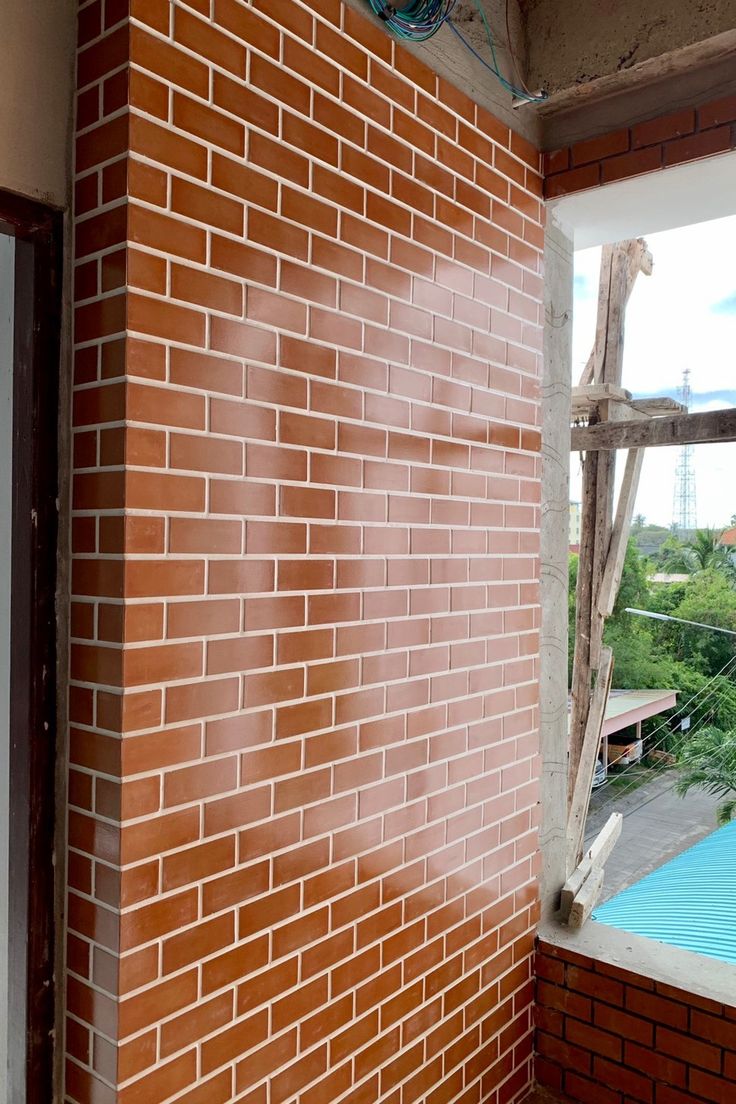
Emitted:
pixel 303 783
pixel 608 1036
pixel 685 135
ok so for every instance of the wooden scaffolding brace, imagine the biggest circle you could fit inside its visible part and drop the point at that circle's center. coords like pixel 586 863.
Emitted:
pixel 614 421
pixel 600 400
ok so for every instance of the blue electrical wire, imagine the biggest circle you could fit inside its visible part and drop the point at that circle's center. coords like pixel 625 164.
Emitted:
pixel 518 92
pixel 417 21
pixel 422 19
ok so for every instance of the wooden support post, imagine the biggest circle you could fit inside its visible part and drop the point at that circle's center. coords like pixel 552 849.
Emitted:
pixel 581 668
pixel 620 534
pixel 602 545
pixel 639 259
pixel 592 370
pixel 588 757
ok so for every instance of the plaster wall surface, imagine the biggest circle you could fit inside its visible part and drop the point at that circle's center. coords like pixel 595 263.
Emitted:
pixel 36 97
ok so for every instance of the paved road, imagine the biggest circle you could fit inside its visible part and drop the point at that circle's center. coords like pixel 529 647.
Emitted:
pixel 657 826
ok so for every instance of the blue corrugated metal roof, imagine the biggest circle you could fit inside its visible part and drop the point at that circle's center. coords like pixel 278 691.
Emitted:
pixel 689 902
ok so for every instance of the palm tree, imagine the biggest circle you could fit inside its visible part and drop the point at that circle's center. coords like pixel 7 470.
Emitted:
pixel 707 761
pixel 702 553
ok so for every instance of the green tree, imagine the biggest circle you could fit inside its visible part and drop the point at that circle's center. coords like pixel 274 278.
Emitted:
pixel 634 589
pixel 662 655
pixel 703 553
pixel 709 599
pixel 708 761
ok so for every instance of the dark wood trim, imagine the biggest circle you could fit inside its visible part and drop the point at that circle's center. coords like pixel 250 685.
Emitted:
pixel 713 426
pixel 38 234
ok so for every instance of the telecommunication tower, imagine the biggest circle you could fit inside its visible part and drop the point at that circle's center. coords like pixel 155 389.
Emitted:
pixel 684 505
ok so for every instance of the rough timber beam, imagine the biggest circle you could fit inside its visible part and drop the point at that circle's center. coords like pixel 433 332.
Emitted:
pixel 681 429
pixel 610 313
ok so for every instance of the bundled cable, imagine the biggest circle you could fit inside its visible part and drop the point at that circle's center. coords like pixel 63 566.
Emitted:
pixel 517 93
pixel 415 21
pixel 420 19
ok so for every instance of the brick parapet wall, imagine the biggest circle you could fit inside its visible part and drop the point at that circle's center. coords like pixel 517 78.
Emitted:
pixel 686 135
pixel 304 757
pixel 609 1036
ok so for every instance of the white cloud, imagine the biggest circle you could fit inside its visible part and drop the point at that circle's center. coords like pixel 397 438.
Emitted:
pixel 677 318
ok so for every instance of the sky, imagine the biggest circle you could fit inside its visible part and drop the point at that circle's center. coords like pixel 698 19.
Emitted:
pixel 682 316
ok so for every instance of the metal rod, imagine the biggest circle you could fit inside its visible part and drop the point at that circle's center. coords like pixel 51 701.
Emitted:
pixel 680 620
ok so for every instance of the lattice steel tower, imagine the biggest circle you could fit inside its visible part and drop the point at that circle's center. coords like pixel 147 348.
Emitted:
pixel 684 504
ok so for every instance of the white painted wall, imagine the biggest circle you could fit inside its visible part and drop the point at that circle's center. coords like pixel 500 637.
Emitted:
pixel 7 263
pixel 37 39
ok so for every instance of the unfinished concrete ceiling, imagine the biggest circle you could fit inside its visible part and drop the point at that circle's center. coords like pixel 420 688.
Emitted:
pixel 621 60
pixel 602 63
pixel 573 42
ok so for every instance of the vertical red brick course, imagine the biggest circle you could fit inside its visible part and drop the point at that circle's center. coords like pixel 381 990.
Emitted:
pixel 303 781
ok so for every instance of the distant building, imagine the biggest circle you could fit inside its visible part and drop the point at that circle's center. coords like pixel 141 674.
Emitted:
pixel 668 577
pixel 574 526
pixel 728 540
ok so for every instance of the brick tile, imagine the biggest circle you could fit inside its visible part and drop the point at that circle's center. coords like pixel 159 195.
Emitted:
pixel 717 112
pixel 258 390
pixel 632 164
pixel 663 128
pixel 576 180
pixel 698 145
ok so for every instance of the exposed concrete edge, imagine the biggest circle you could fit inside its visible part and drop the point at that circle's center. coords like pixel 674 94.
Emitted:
pixel 693 973
pixel 687 78
pixel 556 379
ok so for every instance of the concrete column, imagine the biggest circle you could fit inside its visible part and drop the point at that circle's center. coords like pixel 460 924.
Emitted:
pixel 558 285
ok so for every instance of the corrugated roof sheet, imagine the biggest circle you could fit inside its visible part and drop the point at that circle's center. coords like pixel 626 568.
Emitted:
pixel 689 902
pixel 625 701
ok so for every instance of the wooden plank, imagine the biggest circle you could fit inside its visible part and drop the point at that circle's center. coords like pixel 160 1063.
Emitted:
pixel 621 406
pixel 573 885
pixel 639 260
pixel 595 856
pixel 604 842
pixel 597 392
pixel 586 899
pixel 588 757
pixel 656 407
pixel 585 399
pixel 581 669
pixel 611 370
pixel 591 372
pixel 601 544
pixel 620 534
pixel 680 429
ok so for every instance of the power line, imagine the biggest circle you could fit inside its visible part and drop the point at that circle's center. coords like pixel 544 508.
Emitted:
pixel 667 722
pixel 635 782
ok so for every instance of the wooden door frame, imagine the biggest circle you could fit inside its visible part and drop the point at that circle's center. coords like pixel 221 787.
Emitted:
pixel 37 320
